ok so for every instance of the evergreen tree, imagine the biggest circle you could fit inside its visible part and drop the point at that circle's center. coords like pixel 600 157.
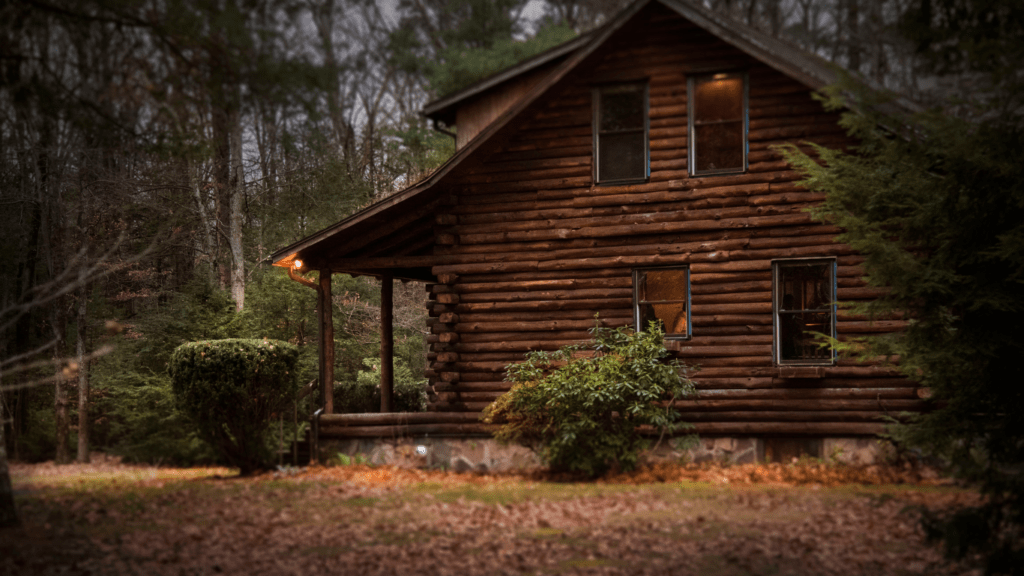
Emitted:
pixel 935 202
pixel 453 43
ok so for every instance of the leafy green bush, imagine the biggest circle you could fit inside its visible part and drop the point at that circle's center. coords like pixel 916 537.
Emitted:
pixel 231 389
pixel 583 414
pixel 363 395
pixel 140 421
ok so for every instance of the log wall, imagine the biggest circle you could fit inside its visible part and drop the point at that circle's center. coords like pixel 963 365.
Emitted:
pixel 533 248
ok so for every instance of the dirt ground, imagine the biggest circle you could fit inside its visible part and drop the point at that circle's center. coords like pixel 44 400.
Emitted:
pixel 799 519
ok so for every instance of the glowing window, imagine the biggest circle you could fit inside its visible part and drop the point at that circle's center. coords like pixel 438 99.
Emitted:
pixel 718 123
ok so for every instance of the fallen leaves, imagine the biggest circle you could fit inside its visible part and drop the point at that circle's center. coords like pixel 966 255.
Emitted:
pixel 664 519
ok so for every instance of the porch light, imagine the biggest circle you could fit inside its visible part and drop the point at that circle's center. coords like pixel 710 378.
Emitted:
pixel 297 264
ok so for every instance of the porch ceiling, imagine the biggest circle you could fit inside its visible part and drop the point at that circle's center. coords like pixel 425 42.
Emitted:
pixel 390 237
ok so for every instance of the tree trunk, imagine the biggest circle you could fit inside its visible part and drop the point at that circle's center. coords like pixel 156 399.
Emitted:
pixel 853 35
pixel 222 189
pixel 83 379
pixel 387 344
pixel 8 513
pixel 60 392
pixel 236 190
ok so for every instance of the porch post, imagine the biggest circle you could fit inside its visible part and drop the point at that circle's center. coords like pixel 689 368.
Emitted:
pixel 326 348
pixel 387 344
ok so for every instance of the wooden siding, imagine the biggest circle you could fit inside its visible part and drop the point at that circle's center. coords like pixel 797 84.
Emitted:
pixel 533 249
pixel 478 113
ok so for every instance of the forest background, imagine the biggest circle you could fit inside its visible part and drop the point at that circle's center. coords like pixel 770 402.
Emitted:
pixel 153 155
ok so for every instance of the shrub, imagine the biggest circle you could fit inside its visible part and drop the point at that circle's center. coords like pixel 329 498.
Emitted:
pixel 231 389
pixel 583 414
pixel 363 395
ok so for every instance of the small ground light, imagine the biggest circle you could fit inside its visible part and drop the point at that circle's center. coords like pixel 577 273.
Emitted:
pixel 421 450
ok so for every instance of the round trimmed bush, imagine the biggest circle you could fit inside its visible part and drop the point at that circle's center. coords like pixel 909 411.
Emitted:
pixel 232 389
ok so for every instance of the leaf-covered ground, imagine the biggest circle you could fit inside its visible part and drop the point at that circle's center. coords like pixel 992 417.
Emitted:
pixel 709 520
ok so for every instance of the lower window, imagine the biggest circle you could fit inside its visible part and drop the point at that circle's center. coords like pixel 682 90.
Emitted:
pixel 804 306
pixel 662 295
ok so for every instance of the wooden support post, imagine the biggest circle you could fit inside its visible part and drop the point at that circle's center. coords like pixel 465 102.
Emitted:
pixel 387 344
pixel 326 348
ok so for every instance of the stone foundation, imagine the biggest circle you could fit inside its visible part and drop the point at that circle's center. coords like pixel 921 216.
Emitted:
pixel 458 454
pixel 488 455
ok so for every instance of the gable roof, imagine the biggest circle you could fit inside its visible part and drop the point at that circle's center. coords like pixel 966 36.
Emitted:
pixel 370 240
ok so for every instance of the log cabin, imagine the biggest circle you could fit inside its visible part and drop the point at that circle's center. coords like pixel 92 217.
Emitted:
pixel 631 173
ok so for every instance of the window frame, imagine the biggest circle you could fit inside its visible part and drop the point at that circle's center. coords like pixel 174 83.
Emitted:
pixel 777 265
pixel 637 301
pixel 644 86
pixel 691 132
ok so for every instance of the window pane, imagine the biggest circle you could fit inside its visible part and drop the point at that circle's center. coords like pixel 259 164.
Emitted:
pixel 672 317
pixel 805 287
pixel 663 285
pixel 719 146
pixel 796 335
pixel 720 99
pixel 622 157
pixel 622 109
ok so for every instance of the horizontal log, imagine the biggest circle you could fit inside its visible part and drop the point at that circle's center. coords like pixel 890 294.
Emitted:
pixel 399 431
pixel 530 174
pixel 588 304
pixel 472 387
pixel 623 281
pixel 817 404
pixel 790 428
pixel 876 327
pixel 538 337
pixel 538 326
pixel 564 218
pixel 701 321
pixel 700 262
pixel 757 382
pixel 731 330
pixel 476 396
pixel 794 219
pixel 548 295
pixel 500 166
pixel 546 249
pixel 810 393
pixel 448 298
pixel 791 132
pixel 517 346
pixel 447 357
pixel 710 250
pixel 549 152
pixel 729 340
pixel 781 416
pixel 731 297
pixel 703 352
pixel 394 418
pixel 762 361
pixel 626 313
pixel 704 308
pixel 457 406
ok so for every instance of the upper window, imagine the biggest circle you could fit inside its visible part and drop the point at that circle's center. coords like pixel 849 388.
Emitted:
pixel 662 295
pixel 620 134
pixel 804 305
pixel 718 123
